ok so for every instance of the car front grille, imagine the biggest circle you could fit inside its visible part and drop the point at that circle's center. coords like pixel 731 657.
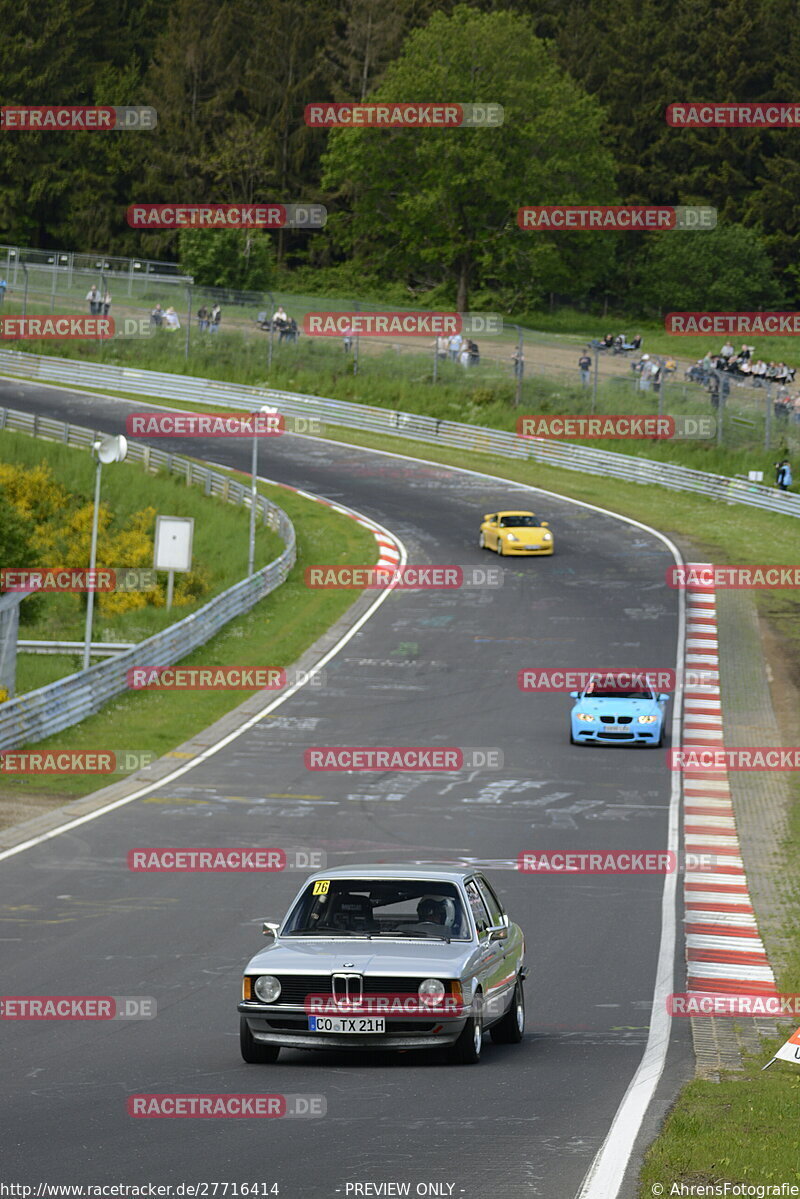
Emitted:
pixel 295 988
pixel 616 719
pixel 617 736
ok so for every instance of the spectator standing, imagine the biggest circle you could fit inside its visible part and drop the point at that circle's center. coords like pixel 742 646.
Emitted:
pixel 474 353
pixel 442 346
pixel 519 363
pixel 783 475
pixel 171 319
pixel 348 339
pixel 157 317
pixel 3 286
pixel 216 317
pixel 464 357
pixel 202 318
pixel 455 346
pixel 585 366
pixel 93 296
pixel 106 302
pixel 645 373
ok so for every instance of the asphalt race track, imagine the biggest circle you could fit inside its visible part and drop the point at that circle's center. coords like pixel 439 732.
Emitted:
pixel 430 668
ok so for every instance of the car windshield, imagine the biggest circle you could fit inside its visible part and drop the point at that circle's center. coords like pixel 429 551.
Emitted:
pixel 520 520
pixel 380 907
pixel 616 693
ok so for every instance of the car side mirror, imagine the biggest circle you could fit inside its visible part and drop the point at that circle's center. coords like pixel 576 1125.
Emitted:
pixel 545 524
pixel 498 932
pixel 270 929
pixel 662 699
pixel 575 694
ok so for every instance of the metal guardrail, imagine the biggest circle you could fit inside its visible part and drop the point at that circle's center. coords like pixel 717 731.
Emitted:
pixel 565 455
pixel 55 707
pixel 99 649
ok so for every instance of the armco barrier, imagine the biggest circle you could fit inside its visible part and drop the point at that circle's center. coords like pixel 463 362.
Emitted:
pixel 566 455
pixel 63 703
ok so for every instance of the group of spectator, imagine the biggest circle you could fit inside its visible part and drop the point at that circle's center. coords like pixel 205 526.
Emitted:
pixel 99 303
pixel 209 319
pixel 162 319
pixel 458 349
pixel 743 365
pixel 285 326
pixel 618 344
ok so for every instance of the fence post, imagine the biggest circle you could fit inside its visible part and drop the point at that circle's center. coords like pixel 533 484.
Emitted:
pixel 594 384
pixel 188 319
pixel 25 293
pixel 768 417
pixel 519 366
pixel 355 343
pixel 435 358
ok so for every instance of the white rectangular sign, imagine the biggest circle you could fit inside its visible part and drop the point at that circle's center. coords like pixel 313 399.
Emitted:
pixel 173 548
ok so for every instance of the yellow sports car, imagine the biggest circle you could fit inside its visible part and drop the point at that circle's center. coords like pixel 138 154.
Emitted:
pixel 515 533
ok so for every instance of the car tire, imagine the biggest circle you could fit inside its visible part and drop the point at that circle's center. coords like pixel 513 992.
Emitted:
pixel 467 1049
pixel 254 1052
pixel 660 743
pixel 572 740
pixel 482 542
pixel 500 546
pixel 511 1029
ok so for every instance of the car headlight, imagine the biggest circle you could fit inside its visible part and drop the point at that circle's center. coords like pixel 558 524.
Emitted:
pixel 547 536
pixel 431 990
pixel 511 537
pixel 267 988
pixel 647 719
pixel 587 716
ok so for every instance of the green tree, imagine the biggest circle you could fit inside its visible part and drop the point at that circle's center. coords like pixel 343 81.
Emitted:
pixel 238 258
pixel 724 269
pixel 439 206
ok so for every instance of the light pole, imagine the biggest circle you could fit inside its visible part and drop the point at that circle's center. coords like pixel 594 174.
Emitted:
pixel 110 449
pixel 251 552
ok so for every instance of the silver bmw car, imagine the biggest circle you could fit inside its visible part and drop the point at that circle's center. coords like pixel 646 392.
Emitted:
pixel 387 957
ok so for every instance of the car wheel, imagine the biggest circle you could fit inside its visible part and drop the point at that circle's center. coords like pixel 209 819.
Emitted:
pixel 482 542
pixel 500 546
pixel 511 1029
pixel 660 742
pixel 572 740
pixel 255 1052
pixel 467 1049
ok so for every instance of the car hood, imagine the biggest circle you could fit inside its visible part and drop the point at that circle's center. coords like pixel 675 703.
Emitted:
pixel 624 707
pixel 368 957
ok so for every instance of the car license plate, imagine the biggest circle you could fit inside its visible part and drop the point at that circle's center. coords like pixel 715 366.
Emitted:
pixel 347 1024
pixel 615 728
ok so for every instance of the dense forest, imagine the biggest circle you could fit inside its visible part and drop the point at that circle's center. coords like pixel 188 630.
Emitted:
pixel 415 213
